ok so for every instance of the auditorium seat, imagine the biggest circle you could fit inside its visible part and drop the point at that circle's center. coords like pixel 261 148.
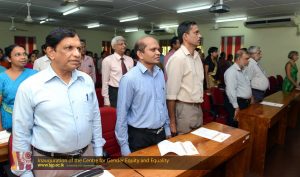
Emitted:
pixel 108 120
pixel 217 96
pixel 206 109
pixel 279 81
pixel 100 97
pixel 273 86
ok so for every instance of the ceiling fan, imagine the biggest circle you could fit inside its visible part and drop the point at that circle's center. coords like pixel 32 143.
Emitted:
pixel 28 18
pixel 13 27
pixel 89 3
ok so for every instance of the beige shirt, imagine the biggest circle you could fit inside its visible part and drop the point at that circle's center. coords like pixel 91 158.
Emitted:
pixel 87 66
pixel 185 76
pixel 112 72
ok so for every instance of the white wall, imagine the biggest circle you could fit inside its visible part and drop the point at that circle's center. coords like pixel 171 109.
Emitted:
pixel 94 38
pixel 274 42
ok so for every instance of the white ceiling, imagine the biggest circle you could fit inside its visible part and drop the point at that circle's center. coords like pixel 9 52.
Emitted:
pixel 150 11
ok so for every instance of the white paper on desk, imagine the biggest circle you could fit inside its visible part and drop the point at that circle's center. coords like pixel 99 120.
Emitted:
pixel 211 134
pixel 271 104
pixel 4 136
pixel 106 174
pixel 180 148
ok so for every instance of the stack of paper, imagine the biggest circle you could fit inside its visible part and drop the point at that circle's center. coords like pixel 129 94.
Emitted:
pixel 180 148
pixel 4 136
pixel 271 104
pixel 211 134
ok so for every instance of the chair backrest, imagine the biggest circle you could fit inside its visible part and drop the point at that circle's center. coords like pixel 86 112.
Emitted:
pixel 100 97
pixel 108 120
pixel 279 81
pixel 206 104
pixel 273 84
pixel 217 96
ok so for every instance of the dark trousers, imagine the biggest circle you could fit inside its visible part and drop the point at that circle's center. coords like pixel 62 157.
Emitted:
pixel 243 104
pixel 141 138
pixel 258 95
pixel 113 95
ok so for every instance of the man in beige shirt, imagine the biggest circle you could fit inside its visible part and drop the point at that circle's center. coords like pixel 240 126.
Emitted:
pixel 185 81
pixel 87 63
pixel 114 67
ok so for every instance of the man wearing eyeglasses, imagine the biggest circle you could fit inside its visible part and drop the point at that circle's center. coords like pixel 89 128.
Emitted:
pixel 256 74
pixel 114 67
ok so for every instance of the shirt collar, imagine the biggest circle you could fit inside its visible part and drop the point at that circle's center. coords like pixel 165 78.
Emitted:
pixel 252 60
pixel 50 74
pixel 186 52
pixel 119 56
pixel 237 67
pixel 45 58
pixel 143 69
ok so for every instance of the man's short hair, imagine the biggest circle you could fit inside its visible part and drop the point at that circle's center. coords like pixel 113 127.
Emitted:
pixel 240 53
pixel 184 27
pixel 57 35
pixel 253 49
pixel 115 40
pixel 173 41
pixel 140 45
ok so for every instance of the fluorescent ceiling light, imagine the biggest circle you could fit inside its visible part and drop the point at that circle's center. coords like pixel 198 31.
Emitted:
pixel 194 9
pixel 43 21
pixel 231 19
pixel 129 19
pixel 131 30
pixel 71 11
pixel 94 25
pixel 168 26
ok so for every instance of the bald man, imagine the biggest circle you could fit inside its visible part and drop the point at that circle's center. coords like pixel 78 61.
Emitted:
pixel 142 118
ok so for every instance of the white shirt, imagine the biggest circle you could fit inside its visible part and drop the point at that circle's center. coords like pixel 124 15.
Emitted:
pixel 237 84
pixel 257 76
pixel 112 72
pixel 41 63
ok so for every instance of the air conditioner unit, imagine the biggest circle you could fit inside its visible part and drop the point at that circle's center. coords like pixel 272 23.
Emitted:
pixel 285 21
pixel 157 32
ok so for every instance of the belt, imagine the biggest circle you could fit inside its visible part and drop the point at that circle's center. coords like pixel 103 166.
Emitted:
pixel 258 90
pixel 244 99
pixel 154 131
pixel 193 104
pixel 62 155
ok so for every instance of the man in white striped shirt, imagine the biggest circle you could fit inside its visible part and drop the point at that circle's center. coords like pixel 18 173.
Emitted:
pixel 256 74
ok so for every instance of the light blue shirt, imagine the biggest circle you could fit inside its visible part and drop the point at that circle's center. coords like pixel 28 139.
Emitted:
pixel 237 84
pixel 141 103
pixel 57 117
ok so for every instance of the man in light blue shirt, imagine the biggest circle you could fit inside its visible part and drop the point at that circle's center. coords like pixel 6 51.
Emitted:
pixel 238 87
pixel 56 112
pixel 142 117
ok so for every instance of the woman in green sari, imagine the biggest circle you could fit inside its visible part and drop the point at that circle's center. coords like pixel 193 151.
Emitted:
pixel 291 70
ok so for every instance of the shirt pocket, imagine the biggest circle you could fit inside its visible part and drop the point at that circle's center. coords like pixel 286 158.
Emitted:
pixel 84 106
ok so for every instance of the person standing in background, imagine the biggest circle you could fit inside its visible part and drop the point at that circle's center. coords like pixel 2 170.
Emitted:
pixel 87 63
pixel 114 67
pixel 291 71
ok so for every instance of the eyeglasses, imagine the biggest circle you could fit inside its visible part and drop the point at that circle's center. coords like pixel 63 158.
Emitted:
pixel 21 54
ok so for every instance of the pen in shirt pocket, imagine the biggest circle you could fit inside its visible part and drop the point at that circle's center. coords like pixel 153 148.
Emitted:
pixel 87 97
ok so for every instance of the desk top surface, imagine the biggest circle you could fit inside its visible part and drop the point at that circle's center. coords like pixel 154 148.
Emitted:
pixel 211 153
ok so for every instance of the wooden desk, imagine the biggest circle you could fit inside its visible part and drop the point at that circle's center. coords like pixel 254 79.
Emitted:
pixel 3 152
pixel 211 154
pixel 122 170
pixel 259 120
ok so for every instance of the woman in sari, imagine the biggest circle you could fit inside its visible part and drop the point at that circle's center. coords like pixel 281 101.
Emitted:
pixel 10 80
